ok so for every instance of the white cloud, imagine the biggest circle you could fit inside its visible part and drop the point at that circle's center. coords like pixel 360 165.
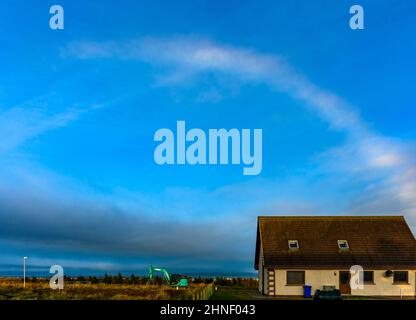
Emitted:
pixel 35 117
pixel 20 124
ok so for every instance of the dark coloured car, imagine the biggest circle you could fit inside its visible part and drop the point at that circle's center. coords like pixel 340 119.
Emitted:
pixel 327 295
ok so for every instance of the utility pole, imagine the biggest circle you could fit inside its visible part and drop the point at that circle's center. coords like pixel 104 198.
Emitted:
pixel 24 272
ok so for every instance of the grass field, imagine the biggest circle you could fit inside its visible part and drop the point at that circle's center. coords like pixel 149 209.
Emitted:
pixel 236 293
pixel 244 293
pixel 40 290
pixel 12 289
pixel 129 288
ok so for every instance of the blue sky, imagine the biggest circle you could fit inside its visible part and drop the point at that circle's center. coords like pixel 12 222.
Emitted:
pixel 79 108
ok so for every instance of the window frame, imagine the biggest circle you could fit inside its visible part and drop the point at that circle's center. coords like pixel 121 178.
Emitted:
pixel 295 284
pixel 289 242
pixel 401 281
pixel 339 242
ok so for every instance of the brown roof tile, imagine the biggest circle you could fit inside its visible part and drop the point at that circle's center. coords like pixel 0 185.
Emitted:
pixel 379 242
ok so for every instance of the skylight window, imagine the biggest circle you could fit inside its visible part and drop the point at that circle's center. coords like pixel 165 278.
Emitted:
pixel 293 244
pixel 343 244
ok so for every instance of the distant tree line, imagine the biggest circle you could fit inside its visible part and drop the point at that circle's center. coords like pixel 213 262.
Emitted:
pixel 142 280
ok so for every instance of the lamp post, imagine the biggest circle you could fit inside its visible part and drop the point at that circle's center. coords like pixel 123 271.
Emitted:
pixel 24 272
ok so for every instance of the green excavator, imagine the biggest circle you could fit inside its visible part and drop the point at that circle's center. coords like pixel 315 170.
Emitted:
pixel 171 280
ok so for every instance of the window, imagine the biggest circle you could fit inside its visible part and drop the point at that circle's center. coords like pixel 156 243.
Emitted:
pixel 293 244
pixel 369 277
pixel 295 278
pixel 400 277
pixel 343 244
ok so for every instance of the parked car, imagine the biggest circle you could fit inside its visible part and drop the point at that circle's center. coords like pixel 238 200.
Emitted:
pixel 327 295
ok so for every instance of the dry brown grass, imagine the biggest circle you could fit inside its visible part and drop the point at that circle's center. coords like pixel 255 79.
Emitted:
pixel 40 290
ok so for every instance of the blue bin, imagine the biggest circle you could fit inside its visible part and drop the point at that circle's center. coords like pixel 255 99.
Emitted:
pixel 307 291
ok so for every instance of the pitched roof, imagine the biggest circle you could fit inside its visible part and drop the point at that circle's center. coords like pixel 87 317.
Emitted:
pixel 378 242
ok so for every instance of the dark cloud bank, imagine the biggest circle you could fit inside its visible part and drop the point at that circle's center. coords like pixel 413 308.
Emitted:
pixel 79 229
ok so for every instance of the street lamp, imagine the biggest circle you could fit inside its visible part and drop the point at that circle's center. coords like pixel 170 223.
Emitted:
pixel 24 272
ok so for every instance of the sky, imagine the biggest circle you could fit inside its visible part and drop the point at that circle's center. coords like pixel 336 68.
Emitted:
pixel 79 108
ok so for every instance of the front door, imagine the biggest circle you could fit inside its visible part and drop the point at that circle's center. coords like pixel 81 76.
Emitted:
pixel 344 282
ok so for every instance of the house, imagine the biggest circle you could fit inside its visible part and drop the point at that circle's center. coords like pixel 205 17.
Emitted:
pixel 320 250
